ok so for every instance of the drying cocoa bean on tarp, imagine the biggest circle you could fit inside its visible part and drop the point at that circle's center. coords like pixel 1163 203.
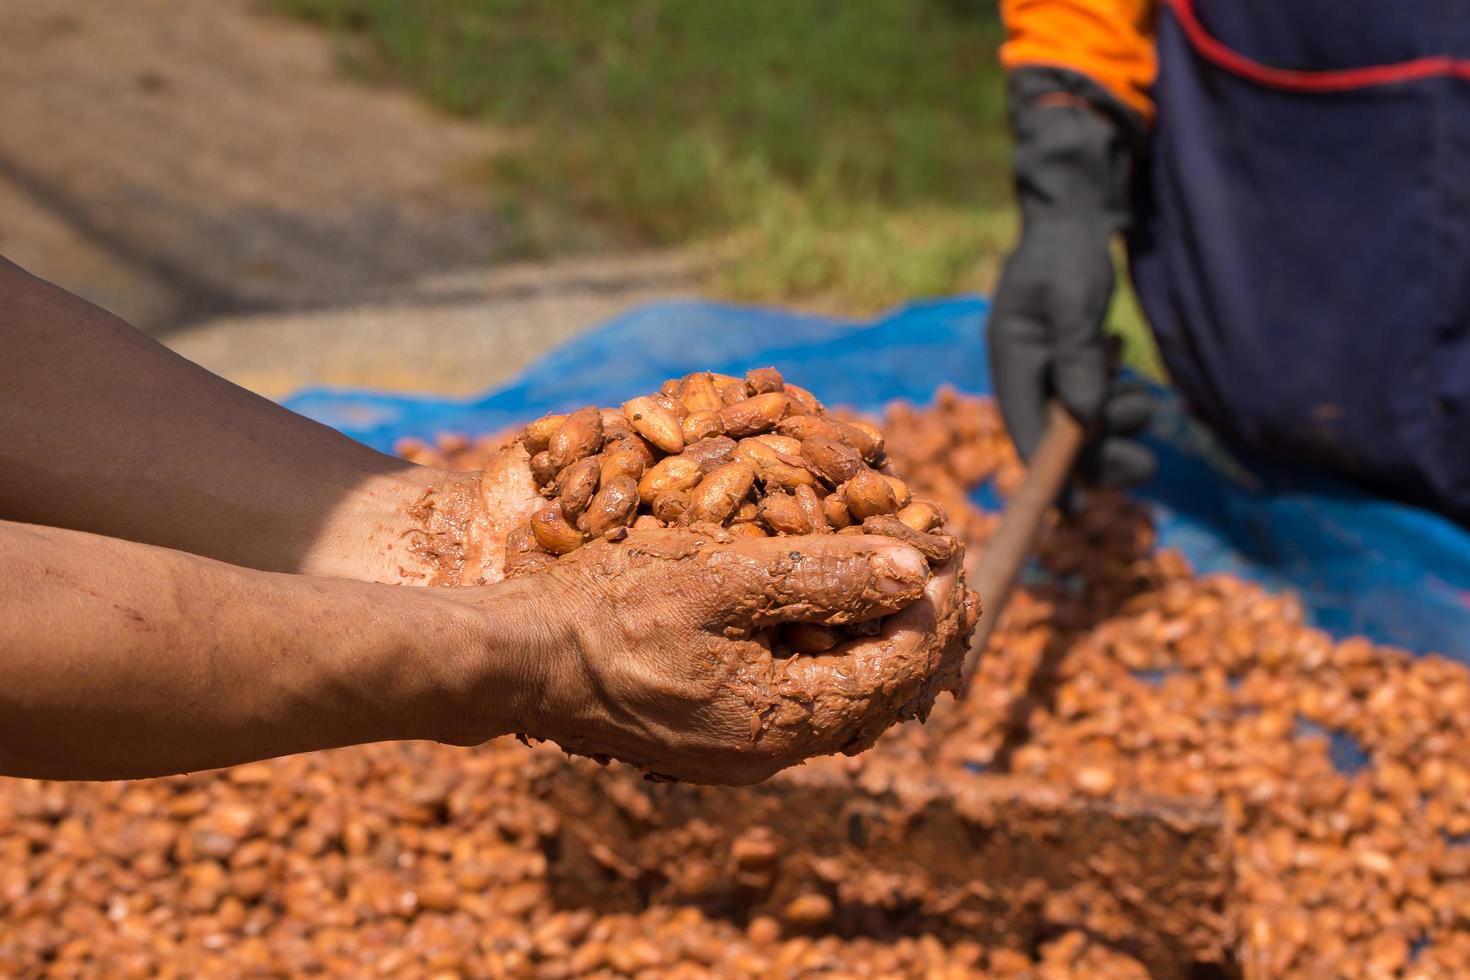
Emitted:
pixel 1345 765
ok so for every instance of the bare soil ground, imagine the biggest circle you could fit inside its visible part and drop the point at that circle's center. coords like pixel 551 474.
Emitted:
pixel 205 171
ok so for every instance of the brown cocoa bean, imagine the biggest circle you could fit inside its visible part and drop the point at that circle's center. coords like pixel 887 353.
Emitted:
pixel 761 381
pixel 670 506
pixel 782 514
pixel 543 471
pixel 785 445
pixel 701 425
pixel 803 401
pixel 836 461
pixel 576 485
pixel 537 435
pixel 553 533
pixel 754 415
pixel 834 508
pixel 672 404
pixel 717 495
pixel 811 637
pixel 618 461
pixel 669 473
pixel 578 437
pixel 712 452
pixel 865 438
pixel 655 422
pixel 921 516
pixel 615 424
pixel 773 470
pixel 868 494
pixel 698 392
pixel 901 492
pixel 811 507
pixel 804 427
pixel 732 391
pixel 613 506
pixel 633 442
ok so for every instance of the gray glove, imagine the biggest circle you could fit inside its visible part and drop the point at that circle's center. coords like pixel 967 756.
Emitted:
pixel 1073 158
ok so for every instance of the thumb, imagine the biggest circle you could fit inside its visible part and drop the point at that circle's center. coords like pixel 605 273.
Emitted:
pixel 830 579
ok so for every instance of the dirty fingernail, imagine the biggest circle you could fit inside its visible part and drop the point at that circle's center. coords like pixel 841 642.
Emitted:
pixel 900 569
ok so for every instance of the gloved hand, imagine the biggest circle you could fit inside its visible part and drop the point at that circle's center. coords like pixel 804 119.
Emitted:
pixel 1072 162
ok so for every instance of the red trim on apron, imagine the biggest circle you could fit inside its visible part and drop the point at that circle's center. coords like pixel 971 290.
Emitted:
pixel 1290 79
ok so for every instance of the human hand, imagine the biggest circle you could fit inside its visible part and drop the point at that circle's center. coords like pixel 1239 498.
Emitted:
pixel 1046 333
pixel 655 650
pixel 429 526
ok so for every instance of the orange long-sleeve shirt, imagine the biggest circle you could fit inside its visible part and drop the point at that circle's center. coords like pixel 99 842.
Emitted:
pixel 1109 41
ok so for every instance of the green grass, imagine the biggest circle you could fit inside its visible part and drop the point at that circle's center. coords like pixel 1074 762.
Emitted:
pixel 844 153
pixel 849 148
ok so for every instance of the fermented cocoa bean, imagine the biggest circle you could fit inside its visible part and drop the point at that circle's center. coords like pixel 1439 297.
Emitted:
pixel 537 435
pixel 576 485
pixel 865 438
pixel 834 508
pixel 754 415
pixel 669 473
pixel 771 467
pixel 804 402
pixel 613 506
pixel 553 533
pixel 782 514
pixel 717 495
pixel 868 494
pixel 811 508
pixel 655 422
pixel 785 445
pixel 543 471
pixel 698 392
pixel 811 637
pixel 921 515
pixel 576 438
pixel 619 461
pixel 670 506
pixel 901 493
pixel 701 425
pixel 710 453
pixel 804 427
pixel 761 381
pixel 836 461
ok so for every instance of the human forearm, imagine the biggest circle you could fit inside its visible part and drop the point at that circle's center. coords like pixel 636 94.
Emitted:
pixel 121 660
pixel 102 429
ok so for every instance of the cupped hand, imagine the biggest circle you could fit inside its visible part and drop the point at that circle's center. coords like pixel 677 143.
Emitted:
pixel 656 650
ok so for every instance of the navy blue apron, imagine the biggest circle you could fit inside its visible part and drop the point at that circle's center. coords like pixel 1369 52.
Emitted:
pixel 1302 247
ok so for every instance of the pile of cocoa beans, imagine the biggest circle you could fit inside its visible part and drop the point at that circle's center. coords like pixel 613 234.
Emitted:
pixel 723 456
pixel 1128 673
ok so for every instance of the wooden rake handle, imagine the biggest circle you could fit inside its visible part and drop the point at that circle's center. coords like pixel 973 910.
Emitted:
pixel 1000 563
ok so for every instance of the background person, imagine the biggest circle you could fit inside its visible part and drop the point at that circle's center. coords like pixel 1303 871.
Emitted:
pixel 1292 175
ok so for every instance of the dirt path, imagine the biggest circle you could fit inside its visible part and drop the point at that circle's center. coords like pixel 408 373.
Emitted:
pixel 203 169
pixel 178 160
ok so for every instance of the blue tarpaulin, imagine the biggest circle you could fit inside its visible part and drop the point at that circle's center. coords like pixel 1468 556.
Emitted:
pixel 1362 565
